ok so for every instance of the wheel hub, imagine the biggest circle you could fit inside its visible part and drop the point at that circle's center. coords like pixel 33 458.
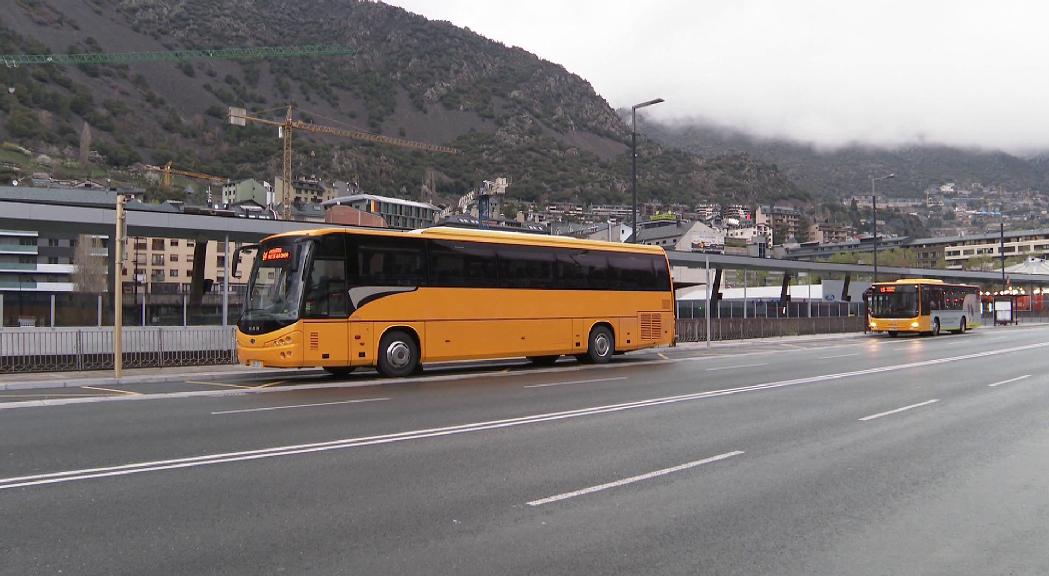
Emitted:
pixel 398 354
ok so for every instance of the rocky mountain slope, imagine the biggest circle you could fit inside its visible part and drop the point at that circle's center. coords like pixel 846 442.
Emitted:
pixel 511 113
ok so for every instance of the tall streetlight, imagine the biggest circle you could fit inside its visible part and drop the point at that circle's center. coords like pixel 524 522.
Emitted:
pixel 874 209
pixel 633 155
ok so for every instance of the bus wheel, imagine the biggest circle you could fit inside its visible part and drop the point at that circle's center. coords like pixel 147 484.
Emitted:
pixel 961 326
pixel 936 327
pixel 893 333
pixel 601 346
pixel 398 354
pixel 339 371
pixel 543 360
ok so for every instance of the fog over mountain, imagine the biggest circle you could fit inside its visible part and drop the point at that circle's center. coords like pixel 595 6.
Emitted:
pixel 825 72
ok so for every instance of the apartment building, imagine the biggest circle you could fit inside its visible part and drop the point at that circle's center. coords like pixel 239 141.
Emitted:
pixel 779 216
pixel 165 265
pixel 397 212
pixel 34 263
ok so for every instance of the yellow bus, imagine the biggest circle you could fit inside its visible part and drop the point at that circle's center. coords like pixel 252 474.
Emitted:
pixel 348 298
pixel 923 306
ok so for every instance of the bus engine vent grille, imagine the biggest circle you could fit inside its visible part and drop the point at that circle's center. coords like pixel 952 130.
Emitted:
pixel 651 326
pixel 315 340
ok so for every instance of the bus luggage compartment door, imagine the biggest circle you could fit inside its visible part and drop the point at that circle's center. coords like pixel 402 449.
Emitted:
pixel 325 343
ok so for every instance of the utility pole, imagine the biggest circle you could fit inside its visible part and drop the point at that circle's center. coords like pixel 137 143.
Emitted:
pixel 118 286
pixel 633 158
pixel 1001 247
pixel 874 210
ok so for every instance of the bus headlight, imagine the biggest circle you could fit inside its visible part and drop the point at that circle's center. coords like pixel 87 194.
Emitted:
pixel 282 341
pixel 914 324
pixel 874 324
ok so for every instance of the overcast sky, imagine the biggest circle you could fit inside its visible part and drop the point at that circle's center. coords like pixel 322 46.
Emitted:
pixel 881 72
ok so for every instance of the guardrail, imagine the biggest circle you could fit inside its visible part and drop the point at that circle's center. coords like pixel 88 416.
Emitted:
pixel 695 329
pixel 68 349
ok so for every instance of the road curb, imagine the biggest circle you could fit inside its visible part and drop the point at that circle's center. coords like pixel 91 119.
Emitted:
pixel 153 379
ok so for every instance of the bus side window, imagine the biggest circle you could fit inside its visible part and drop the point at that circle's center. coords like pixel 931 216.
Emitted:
pixel 326 295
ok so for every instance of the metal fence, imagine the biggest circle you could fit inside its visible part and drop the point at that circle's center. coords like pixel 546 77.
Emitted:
pixel 65 349
pixel 695 329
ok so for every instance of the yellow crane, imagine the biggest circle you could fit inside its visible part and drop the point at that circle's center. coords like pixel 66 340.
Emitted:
pixel 240 117
pixel 167 171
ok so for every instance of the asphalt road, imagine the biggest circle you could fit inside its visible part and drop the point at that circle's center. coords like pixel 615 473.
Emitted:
pixel 846 456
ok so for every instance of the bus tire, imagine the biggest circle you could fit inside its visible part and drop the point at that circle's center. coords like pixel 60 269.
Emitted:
pixel 398 354
pixel 936 327
pixel 961 327
pixel 543 360
pixel 601 345
pixel 339 371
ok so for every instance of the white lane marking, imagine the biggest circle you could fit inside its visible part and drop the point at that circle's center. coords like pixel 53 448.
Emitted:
pixel 575 382
pixel 839 356
pixel 298 406
pixel 898 410
pixel 737 366
pixel 1009 380
pixel 662 355
pixel 85 474
pixel 633 479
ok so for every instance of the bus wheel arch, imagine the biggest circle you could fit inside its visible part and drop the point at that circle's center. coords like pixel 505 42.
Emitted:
pixel 399 353
pixel 601 343
pixel 936 326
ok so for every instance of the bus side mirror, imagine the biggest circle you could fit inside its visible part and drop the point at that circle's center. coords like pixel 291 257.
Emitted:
pixel 237 257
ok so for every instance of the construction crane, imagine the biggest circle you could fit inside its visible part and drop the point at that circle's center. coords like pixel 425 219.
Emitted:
pixel 167 172
pixel 262 52
pixel 240 117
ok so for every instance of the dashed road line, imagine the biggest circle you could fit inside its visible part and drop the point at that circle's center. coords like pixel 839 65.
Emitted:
pixel 633 479
pixel 898 410
pixel 736 366
pixel 839 356
pixel 270 408
pixel 548 384
pixel 996 384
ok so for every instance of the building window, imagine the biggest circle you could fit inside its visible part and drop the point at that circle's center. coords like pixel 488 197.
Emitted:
pixel 158 243
pixel 27 259
pixel 52 242
pixel 158 259
pixel 173 258
pixel 173 273
pixel 52 260
pixel 173 242
pixel 27 241
pixel 189 273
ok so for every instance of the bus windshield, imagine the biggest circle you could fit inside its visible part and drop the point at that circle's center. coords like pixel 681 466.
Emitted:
pixel 275 287
pixel 894 302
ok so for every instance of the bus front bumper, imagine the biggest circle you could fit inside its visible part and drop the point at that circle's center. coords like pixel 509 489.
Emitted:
pixel 278 349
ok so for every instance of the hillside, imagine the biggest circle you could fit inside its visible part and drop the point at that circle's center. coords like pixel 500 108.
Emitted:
pixel 511 113
pixel 846 171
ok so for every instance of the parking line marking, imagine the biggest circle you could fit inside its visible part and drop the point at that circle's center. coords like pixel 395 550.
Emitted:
pixel 633 479
pixel 898 410
pixel 662 355
pixel 128 392
pixel 217 384
pixel 297 406
pixel 736 366
pixel 52 395
pixel 839 356
pixel 268 384
pixel 1009 380
pixel 548 384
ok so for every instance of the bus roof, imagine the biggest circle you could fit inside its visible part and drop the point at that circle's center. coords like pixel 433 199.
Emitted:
pixel 495 236
pixel 920 281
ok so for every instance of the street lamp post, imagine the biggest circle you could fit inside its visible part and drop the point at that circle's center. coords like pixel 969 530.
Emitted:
pixel 874 210
pixel 633 156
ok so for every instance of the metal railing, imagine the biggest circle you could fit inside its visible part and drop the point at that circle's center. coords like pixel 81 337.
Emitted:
pixel 66 349
pixel 695 329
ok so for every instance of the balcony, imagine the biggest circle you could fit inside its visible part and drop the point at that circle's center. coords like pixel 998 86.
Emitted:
pixel 6 248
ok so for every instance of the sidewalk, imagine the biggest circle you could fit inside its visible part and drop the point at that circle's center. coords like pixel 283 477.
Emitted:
pixel 26 381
